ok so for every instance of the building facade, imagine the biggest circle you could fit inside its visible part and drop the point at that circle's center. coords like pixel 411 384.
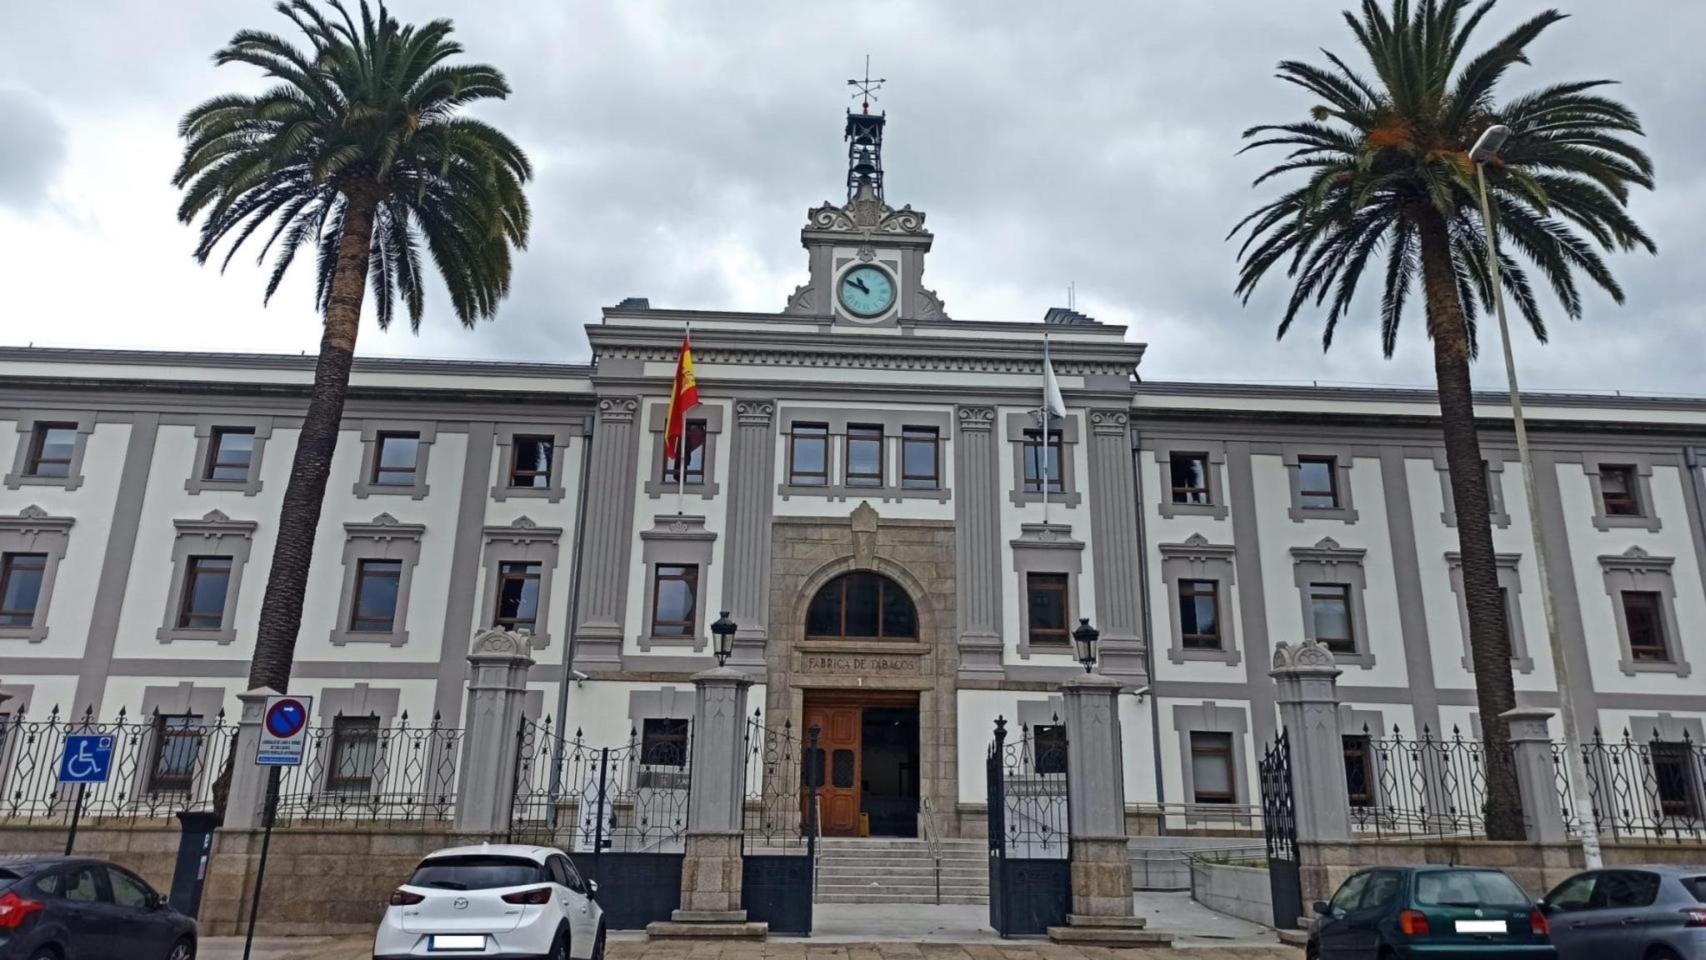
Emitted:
pixel 872 497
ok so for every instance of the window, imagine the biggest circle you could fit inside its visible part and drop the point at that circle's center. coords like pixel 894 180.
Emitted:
pixel 1042 462
pixel 1190 478
pixel 808 455
pixel 395 461
pixel 675 595
pixel 376 585
pixel 530 462
pixel 1199 614
pixel 20 587
pixel 518 596
pixel 1049 742
pixel 1359 771
pixel 230 451
pixel 51 448
pixel 177 748
pixel 1628 889
pixel 1576 893
pixel 1383 888
pixel 862 606
pixel 920 458
pixel 663 742
pixel 1644 618
pixel 1211 767
pixel 127 890
pixel 1617 491
pixel 693 438
pixel 1330 608
pixel 1046 603
pixel 355 754
pixel 1673 769
pixel 1317 483
pixel 864 455
pixel 81 885
pixel 206 582
pixel 1345 900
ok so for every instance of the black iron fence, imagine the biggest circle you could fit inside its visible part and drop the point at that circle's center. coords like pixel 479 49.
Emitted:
pixel 1653 789
pixel 590 799
pixel 783 774
pixel 161 765
pixel 356 769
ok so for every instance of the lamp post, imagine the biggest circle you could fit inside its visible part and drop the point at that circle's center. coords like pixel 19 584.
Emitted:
pixel 1084 638
pixel 1486 148
pixel 723 638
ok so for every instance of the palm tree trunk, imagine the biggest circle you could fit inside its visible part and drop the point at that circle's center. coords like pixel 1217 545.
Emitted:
pixel 1489 639
pixel 299 517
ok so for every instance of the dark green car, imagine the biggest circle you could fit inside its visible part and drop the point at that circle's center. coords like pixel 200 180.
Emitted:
pixel 1400 912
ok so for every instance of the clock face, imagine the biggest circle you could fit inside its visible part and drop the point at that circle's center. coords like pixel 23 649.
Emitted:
pixel 867 291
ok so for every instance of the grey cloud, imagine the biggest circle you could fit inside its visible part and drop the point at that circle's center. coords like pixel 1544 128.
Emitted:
pixel 31 150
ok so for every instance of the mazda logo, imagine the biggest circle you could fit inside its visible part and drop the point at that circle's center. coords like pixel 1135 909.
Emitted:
pixel 460 903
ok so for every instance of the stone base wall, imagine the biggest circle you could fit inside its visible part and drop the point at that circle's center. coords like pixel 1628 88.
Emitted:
pixel 1101 877
pixel 1235 889
pixel 711 873
pixel 148 847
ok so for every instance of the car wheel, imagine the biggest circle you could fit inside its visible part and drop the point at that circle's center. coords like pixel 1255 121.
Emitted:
pixel 1662 953
pixel 45 953
pixel 182 950
pixel 560 947
pixel 598 944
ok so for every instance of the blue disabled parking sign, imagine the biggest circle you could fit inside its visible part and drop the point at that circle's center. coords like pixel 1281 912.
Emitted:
pixel 88 758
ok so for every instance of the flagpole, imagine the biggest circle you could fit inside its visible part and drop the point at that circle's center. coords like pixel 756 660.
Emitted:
pixel 1043 415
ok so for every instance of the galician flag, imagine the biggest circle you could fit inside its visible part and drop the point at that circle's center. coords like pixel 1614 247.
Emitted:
pixel 1054 406
pixel 682 398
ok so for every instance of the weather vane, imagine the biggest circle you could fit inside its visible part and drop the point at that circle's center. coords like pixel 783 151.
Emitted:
pixel 867 88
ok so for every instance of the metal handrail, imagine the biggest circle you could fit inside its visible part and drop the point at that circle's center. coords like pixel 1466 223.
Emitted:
pixel 932 840
pixel 816 828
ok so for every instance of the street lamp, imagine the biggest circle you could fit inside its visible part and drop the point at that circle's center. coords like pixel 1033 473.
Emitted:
pixel 1084 638
pixel 723 634
pixel 1486 148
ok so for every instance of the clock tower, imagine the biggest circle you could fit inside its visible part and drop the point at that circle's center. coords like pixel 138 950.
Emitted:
pixel 866 257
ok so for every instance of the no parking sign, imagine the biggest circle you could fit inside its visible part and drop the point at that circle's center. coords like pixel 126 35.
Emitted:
pixel 284 731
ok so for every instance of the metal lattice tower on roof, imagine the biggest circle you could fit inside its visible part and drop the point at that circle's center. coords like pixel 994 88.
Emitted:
pixel 864 136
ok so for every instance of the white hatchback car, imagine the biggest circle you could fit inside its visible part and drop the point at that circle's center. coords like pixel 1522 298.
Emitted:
pixel 493 901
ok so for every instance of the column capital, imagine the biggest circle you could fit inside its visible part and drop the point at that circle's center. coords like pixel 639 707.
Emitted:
pixel 755 413
pixel 977 418
pixel 1109 422
pixel 501 647
pixel 617 409
pixel 1529 724
pixel 1309 659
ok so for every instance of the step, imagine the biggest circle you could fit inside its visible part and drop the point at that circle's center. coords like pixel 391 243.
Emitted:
pixel 894 856
pixel 826 870
pixel 907 890
pixel 947 898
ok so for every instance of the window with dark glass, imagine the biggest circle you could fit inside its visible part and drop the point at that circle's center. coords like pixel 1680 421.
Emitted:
pixel 663 742
pixel 530 462
pixel 376 586
pixel 1046 603
pixel 841 764
pixel 862 606
pixel 20 587
pixel 206 582
pixel 355 754
pixel 1318 483
pixel 51 447
pixel 675 595
pixel 1190 477
pixel 808 455
pixel 920 458
pixel 1211 767
pixel 1673 779
pixel 518 595
pixel 1617 491
pixel 1199 614
pixel 1048 740
pixel 177 749
pixel 1330 608
pixel 395 461
pixel 864 455
pixel 1042 461
pixel 230 451
pixel 693 439
pixel 128 891
pixel 1359 770
pixel 1643 619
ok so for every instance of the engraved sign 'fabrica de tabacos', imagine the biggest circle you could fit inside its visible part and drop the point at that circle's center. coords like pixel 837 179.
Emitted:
pixel 869 665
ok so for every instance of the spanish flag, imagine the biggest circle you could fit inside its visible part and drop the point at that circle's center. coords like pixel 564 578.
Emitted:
pixel 682 398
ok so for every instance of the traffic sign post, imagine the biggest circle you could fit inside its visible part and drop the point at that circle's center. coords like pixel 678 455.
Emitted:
pixel 284 739
pixel 88 758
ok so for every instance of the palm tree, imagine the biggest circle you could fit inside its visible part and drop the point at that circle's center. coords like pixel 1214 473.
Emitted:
pixel 359 151
pixel 1384 170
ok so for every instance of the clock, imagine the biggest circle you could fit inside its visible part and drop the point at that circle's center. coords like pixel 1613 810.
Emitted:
pixel 866 291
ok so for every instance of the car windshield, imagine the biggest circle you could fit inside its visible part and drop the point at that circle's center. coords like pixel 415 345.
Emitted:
pixel 1467 888
pixel 1696 886
pixel 476 873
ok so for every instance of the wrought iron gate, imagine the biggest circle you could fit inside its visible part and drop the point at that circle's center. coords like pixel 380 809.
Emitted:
pixel 1030 853
pixel 1279 831
pixel 779 826
pixel 620 812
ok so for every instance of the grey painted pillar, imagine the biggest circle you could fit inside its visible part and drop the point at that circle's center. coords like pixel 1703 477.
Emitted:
pixel 1537 774
pixel 711 870
pixel 1308 696
pixel 1095 775
pixel 977 543
pixel 746 554
pixel 1114 547
pixel 609 535
pixel 96 663
pixel 474 495
pixel 1407 574
pixel 248 780
pixel 497 695
pixel 1252 594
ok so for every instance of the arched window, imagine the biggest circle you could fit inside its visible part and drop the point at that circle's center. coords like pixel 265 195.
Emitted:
pixel 861 606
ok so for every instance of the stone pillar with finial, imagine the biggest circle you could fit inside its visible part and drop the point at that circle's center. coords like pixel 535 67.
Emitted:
pixel 497 695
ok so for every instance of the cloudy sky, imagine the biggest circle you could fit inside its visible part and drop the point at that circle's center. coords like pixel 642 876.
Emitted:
pixel 679 145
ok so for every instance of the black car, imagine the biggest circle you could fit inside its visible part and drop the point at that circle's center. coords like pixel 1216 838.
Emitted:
pixel 72 908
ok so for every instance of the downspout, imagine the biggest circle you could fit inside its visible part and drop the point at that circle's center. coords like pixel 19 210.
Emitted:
pixel 574 618
pixel 1148 626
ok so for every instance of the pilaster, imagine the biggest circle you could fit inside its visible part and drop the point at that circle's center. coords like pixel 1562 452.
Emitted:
pixel 751 485
pixel 248 780
pixel 1114 547
pixel 497 695
pixel 1537 774
pixel 609 535
pixel 1308 697
pixel 977 543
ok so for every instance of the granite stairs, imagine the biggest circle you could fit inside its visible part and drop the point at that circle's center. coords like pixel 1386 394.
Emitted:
pixel 895 870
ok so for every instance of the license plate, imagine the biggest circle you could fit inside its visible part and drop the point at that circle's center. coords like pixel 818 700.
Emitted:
pixel 457 942
pixel 1480 926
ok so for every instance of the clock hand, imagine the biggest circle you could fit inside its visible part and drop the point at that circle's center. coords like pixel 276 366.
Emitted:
pixel 860 284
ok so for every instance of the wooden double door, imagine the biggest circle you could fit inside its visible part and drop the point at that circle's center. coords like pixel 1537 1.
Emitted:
pixel 869 770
